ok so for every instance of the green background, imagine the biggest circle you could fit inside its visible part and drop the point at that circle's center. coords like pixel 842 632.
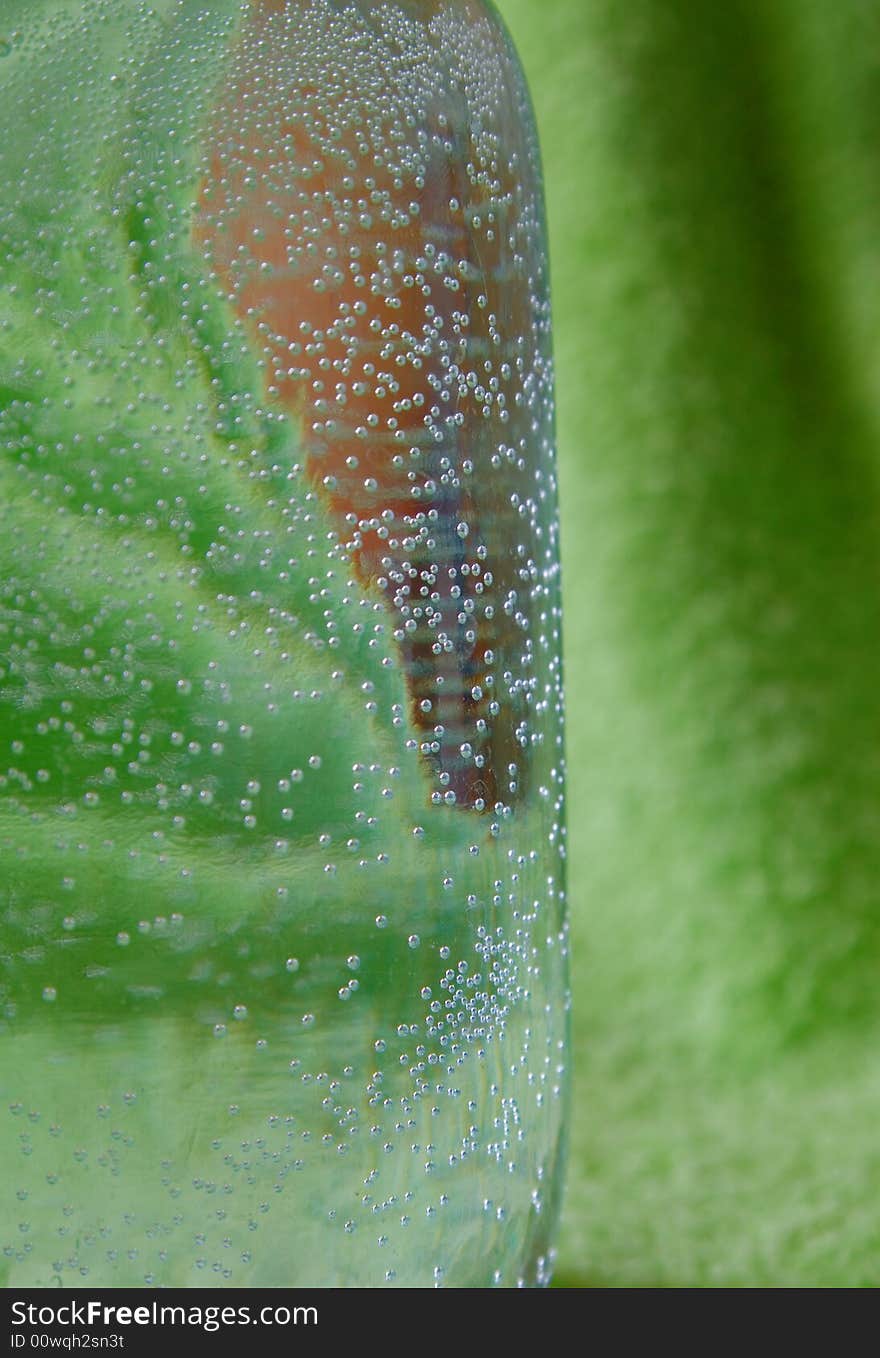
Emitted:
pixel 713 179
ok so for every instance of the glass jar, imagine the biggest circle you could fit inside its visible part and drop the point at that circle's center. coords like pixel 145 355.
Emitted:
pixel 282 936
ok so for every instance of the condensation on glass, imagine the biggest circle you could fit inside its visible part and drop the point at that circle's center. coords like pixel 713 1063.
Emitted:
pixel 282 930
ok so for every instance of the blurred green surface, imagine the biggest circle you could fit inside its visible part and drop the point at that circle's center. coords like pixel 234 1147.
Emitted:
pixel 713 176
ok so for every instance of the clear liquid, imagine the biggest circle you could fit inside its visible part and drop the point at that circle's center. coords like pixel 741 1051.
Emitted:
pixel 282 941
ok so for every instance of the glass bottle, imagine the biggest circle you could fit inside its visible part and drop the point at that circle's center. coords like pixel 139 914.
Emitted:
pixel 282 936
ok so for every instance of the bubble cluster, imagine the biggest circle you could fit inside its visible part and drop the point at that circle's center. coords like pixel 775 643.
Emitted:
pixel 384 260
pixel 282 911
